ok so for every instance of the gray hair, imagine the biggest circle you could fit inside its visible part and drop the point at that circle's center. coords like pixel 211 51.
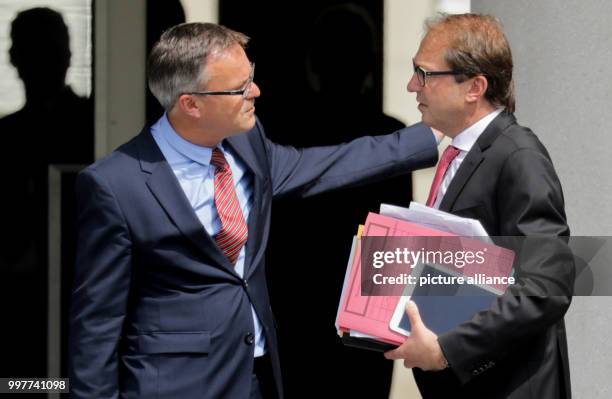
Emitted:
pixel 177 61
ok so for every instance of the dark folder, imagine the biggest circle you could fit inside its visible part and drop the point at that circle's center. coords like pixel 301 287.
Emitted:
pixel 444 307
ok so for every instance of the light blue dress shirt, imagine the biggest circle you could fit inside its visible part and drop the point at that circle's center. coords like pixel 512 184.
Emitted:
pixel 196 176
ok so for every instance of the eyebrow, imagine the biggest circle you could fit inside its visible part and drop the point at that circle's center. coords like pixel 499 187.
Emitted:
pixel 241 85
pixel 418 64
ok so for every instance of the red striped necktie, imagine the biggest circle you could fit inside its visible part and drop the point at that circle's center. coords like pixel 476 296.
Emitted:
pixel 447 157
pixel 233 234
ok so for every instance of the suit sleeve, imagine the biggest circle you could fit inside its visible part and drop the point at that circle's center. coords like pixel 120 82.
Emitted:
pixel 100 290
pixel 530 203
pixel 310 171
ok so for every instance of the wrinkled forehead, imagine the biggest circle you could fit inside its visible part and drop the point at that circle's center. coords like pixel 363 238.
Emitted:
pixel 232 58
pixel 230 65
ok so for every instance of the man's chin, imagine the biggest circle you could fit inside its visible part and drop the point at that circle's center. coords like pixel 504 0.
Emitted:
pixel 250 122
pixel 245 126
pixel 425 119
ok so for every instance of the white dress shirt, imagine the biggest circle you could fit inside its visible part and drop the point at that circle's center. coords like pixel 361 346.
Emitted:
pixel 464 142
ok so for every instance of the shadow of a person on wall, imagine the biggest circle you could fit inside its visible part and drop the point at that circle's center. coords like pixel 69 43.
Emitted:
pixel 55 126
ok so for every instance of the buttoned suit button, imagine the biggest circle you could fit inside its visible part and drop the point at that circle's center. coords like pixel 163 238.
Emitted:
pixel 249 338
pixel 245 284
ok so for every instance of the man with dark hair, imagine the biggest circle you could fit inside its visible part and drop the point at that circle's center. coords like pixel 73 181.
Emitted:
pixel 170 297
pixel 498 172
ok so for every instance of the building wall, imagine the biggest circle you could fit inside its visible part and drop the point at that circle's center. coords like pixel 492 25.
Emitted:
pixel 563 68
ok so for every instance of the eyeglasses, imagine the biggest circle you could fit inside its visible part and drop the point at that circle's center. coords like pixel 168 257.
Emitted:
pixel 423 74
pixel 244 92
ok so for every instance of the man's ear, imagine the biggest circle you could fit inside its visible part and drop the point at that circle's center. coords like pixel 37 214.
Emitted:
pixel 477 88
pixel 188 105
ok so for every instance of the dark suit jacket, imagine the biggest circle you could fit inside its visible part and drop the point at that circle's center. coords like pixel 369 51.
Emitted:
pixel 518 348
pixel 157 310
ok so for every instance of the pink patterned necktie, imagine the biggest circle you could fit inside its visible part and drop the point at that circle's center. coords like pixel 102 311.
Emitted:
pixel 448 155
pixel 233 234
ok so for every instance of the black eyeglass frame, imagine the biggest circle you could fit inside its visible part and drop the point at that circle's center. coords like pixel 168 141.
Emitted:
pixel 423 74
pixel 243 92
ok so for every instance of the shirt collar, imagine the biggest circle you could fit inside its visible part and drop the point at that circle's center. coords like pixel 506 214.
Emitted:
pixel 193 152
pixel 467 138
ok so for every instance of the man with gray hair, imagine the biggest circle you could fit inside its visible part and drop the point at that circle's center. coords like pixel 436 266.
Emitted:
pixel 170 297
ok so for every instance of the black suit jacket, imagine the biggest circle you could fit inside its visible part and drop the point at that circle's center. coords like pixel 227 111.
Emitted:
pixel 517 349
pixel 157 310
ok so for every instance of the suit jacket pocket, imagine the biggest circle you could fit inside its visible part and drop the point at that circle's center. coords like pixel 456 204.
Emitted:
pixel 171 342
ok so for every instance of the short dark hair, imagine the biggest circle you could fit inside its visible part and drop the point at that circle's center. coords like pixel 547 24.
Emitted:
pixel 477 46
pixel 40 30
pixel 178 59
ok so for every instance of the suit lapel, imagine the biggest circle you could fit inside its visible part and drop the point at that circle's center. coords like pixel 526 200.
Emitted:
pixel 165 187
pixel 468 166
pixel 474 158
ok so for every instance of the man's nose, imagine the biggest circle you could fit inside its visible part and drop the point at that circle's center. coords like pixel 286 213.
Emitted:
pixel 413 84
pixel 255 91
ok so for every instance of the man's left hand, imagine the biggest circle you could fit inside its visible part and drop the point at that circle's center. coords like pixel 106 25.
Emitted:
pixel 421 349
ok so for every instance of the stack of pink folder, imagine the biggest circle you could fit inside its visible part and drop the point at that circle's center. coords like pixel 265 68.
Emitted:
pixel 364 321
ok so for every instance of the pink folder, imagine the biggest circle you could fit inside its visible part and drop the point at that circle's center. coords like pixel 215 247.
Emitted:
pixel 372 314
